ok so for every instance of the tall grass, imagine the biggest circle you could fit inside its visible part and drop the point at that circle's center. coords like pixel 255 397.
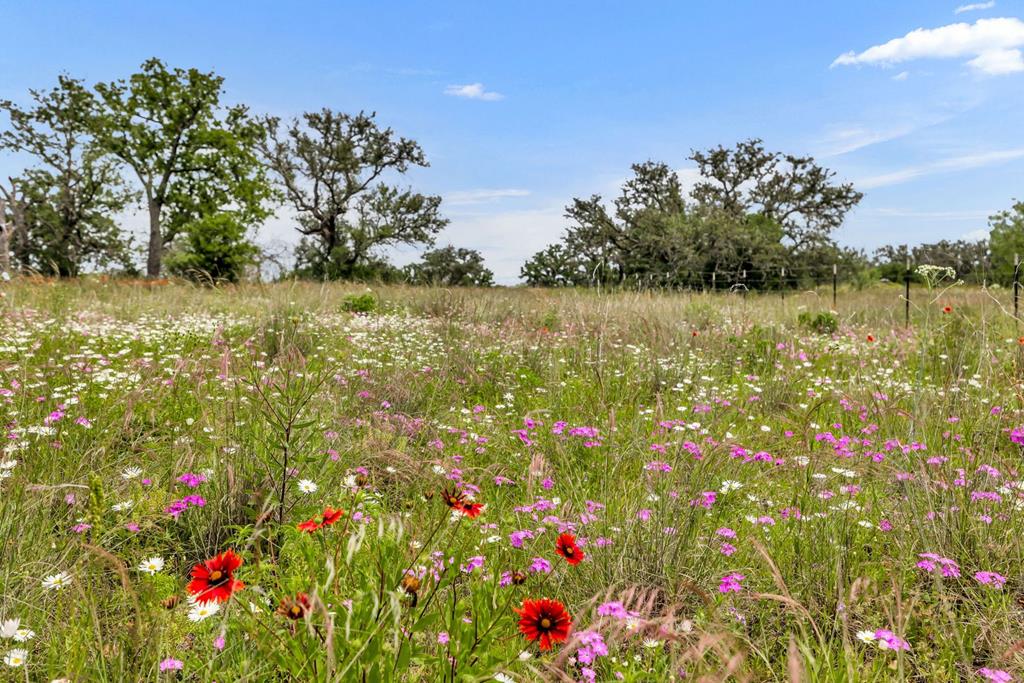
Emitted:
pixel 836 459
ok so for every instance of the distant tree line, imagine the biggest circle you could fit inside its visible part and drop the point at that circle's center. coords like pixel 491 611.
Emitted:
pixel 206 175
pixel 754 220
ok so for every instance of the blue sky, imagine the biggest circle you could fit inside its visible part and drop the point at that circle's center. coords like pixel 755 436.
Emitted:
pixel 520 106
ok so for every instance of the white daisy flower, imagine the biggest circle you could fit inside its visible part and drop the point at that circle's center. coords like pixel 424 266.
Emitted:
pixel 15 658
pixel 131 472
pixel 866 636
pixel 152 565
pixel 23 635
pixel 203 610
pixel 122 507
pixel 56 581
pixel 9 627
pixel 307 486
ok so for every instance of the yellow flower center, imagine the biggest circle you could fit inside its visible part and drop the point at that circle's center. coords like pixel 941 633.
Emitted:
pixel 545 623
pixel 216 575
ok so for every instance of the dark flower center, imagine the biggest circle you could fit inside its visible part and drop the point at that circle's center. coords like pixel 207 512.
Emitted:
pixel 545 623
pixel 296 610
pixel 216 576
pixel 569 550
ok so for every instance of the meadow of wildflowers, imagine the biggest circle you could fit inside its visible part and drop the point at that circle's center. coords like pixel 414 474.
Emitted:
pixel 252 484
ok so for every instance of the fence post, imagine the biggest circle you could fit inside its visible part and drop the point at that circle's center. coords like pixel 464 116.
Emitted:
pixel 714 277
pixel 744 282
pixel 835 284
pixel 1016 286
pixel 782 285
pixel 906 295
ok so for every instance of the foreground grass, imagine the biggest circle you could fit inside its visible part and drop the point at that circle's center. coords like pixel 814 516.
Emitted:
pixel 755 501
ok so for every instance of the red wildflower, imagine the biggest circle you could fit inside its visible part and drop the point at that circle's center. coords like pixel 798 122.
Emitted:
pixel 947 309
pixel 214 580
pixel 309 526
pixel 567 548
pixel 457 501
pixel 471 509
pixel 331 516
pixel 544 620
pixel 871 338
pixel 294 608
pixel 454 499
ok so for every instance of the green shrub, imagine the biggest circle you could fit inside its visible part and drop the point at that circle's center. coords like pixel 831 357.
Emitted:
pixel 820 323
pixel 359 303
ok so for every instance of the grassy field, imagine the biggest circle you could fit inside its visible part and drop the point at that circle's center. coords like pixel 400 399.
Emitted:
pixel 752 498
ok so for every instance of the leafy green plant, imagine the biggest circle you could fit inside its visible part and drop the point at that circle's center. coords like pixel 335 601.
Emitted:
pixel 360 303
pixel 823 322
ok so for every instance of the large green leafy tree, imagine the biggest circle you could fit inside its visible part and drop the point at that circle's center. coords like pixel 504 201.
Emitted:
pixel 331 167
pixel 451 267
pixel 792 191
pixel 192 156
pixel 60 212
pixel 752 213
pixel 1006 239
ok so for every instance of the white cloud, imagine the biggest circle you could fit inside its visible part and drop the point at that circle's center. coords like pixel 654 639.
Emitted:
pixel 473 91
pixel 506 239
pixel 960 163
pixel 901 76
pixel 974 7
pixel 991 43
pixel 463 197
pixel 975 235
pixel 998 62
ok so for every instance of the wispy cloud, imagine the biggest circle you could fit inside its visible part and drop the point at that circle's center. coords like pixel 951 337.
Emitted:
pixel 473 91
pixel 960 163
pixel 993 45
pixel 840 140
pixel 366 67
pixel 974 7
pixel 968 215
pixel 463 197
pixel 901 76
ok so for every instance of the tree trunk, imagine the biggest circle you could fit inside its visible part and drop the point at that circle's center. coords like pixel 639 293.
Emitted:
pixel 156 242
